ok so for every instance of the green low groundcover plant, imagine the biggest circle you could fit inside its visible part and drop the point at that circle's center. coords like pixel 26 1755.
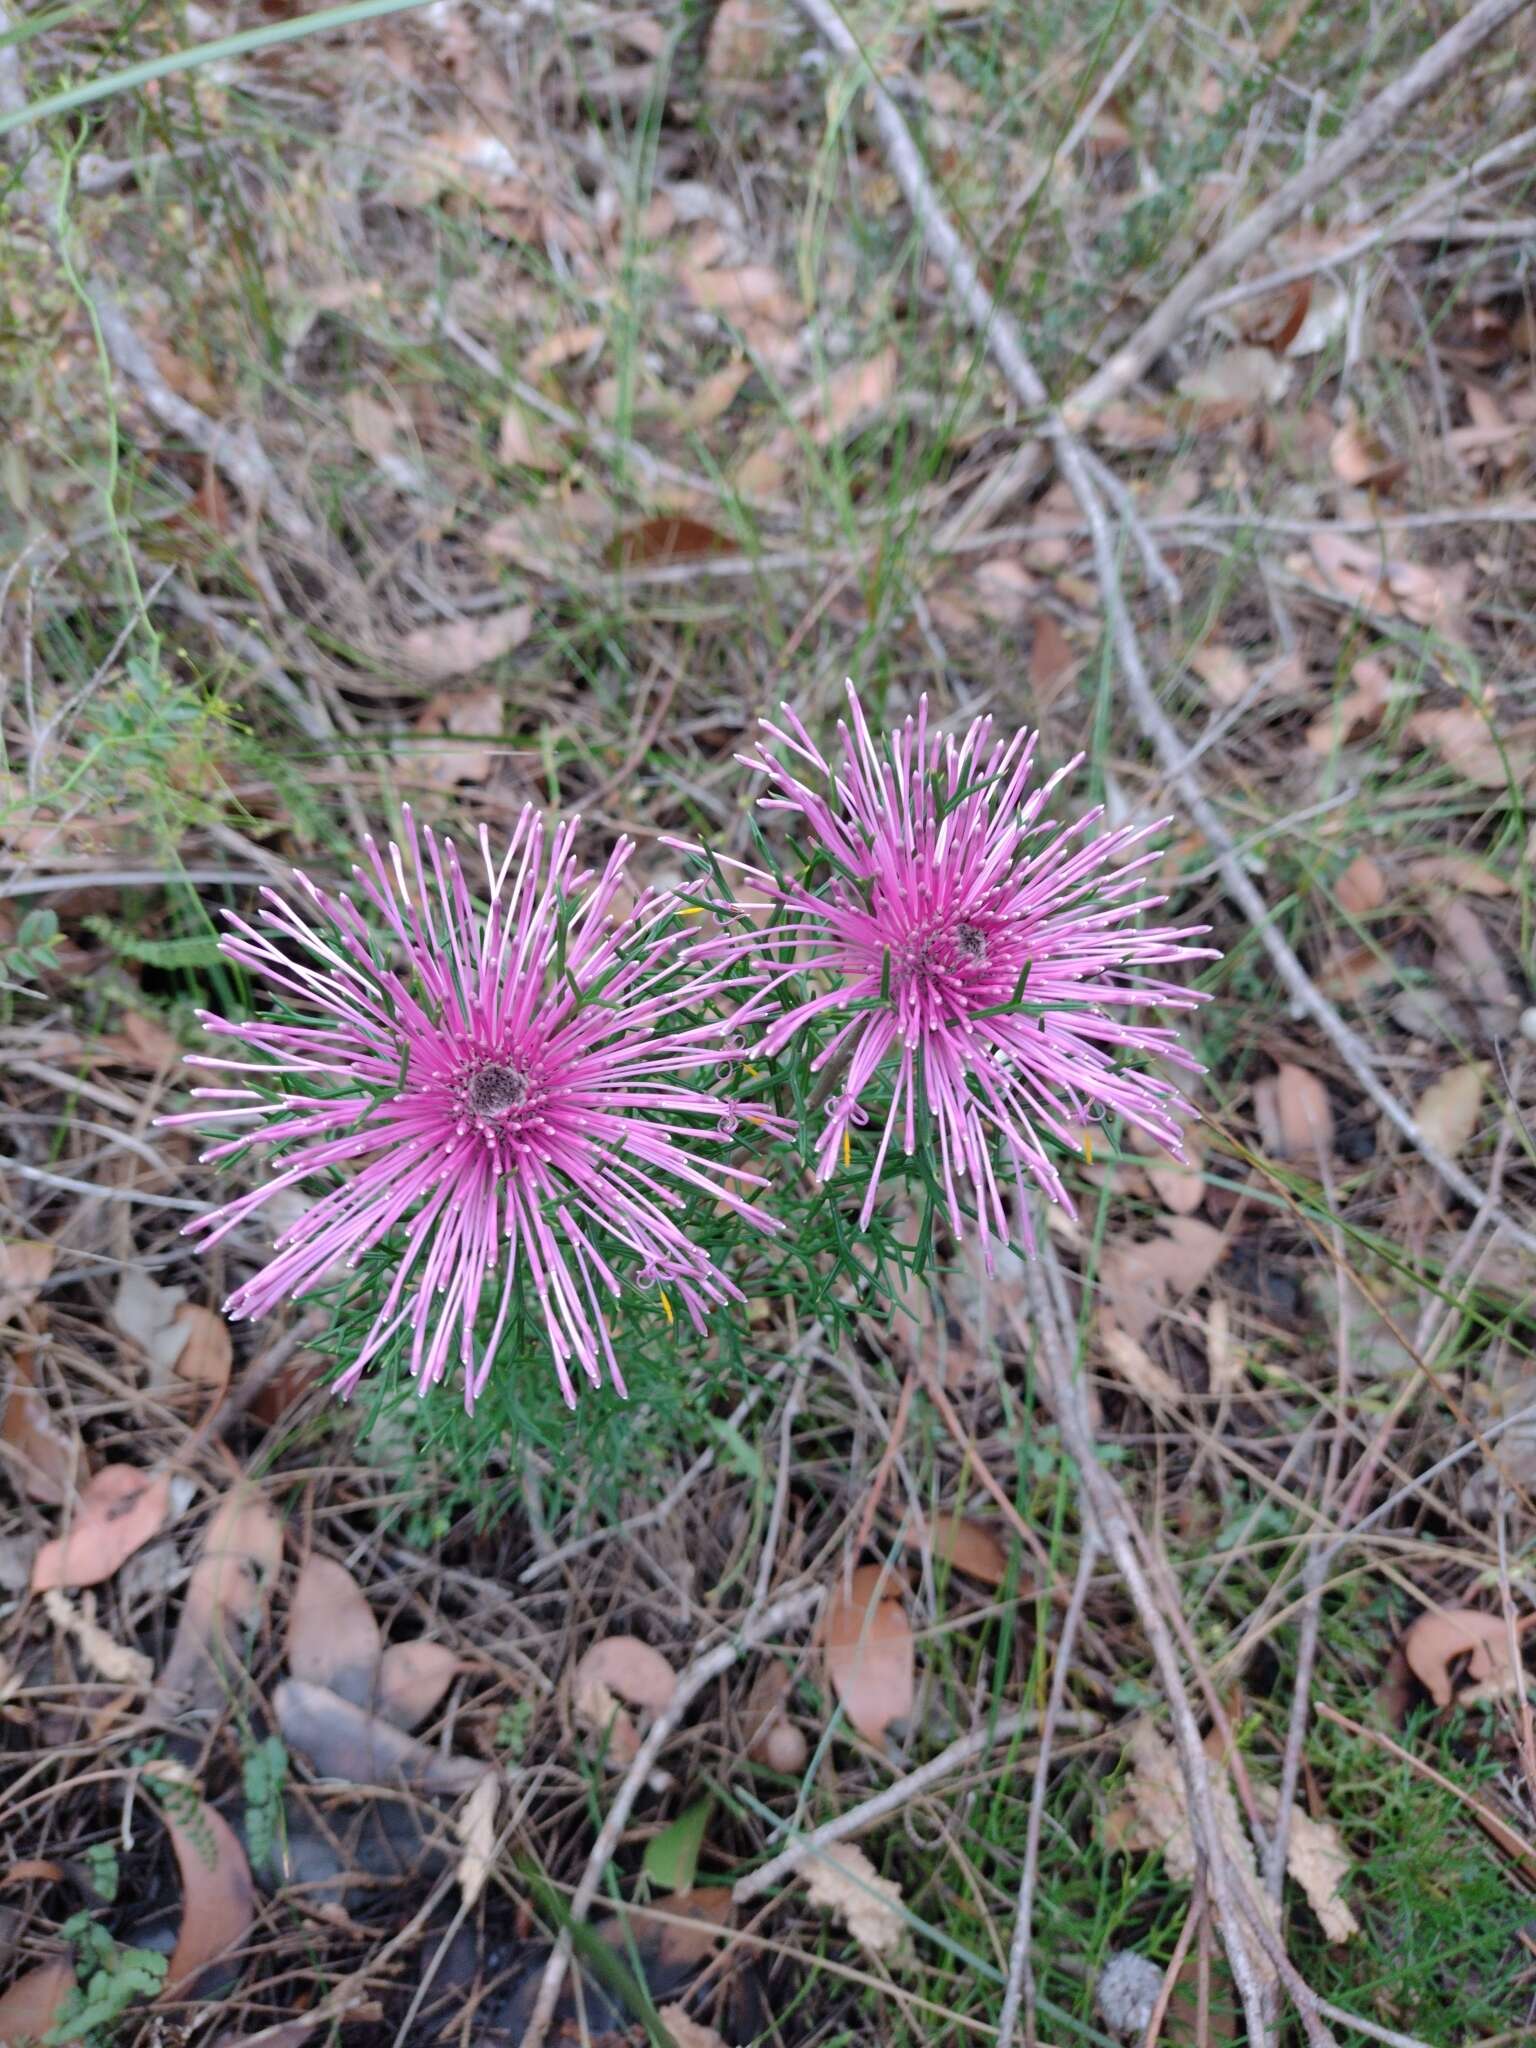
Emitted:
pixel 557 1133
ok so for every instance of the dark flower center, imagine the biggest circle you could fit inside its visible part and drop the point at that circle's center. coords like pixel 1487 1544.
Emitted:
pixel 494 1089
pixel 971 943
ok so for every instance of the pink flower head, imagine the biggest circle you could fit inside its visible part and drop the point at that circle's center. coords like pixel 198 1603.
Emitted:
pixel 978 956
pixel 500 1099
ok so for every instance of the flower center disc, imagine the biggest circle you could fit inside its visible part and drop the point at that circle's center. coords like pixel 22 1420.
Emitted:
pixel 495 1089
pixel 971 943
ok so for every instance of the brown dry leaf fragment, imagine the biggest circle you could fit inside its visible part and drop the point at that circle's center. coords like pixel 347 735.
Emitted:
pixel 1357 712
pixel 34 2004
pixel 1477 968
pixel 1223 671
pixel 852 395
pixel 745 42
pixel 242 1550
pixel 1001 589
pixel 25 1265
pixel 522 445
pixel 1294 1114
pixel 47 1457
pixel 1179 1184
pixel 462 715
pixel 716 393
pixel 342 1741
pixel 413 1678
pixel 457 647
pixel 1437 1639
pixel 374 427
pixel 1351 976
pixel 1319 1862
pixel 1455 871
pixel 1051 660
pixel 121 1508
pixel 867 1640
pixel 1243 377
pixel 686 2031
pixel 333 1639
pixel 754 289
pixel 1141 1373
pixel 670 537
pixel 475 1826
pixel 1362 887
pixel 771 1738
pixel 1463 739
pixel 207 1353
pixel 219 1898
pixel 969 1545
pixel 1447 1111
pixel 628 1667
pixel 562 347
pixel 1359 459
pixel 107 1657
pixel 841 1878
pixel 148 1316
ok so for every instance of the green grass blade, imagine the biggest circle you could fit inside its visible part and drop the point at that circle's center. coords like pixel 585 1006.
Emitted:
pixel 203 53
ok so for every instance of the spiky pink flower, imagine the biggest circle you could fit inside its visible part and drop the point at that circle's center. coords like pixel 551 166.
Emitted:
pixel 978 958
pixel 498 1100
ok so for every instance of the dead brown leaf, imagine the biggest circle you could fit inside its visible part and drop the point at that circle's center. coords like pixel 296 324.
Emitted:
pixel 1358 711
pixel 1456 871
pixel 1359 459
pixel 1242 379
pixel 1136 1279
pixel 1362 887
pixel 671 537
pixel 629 1668
pixel 853 394
pixel 867 1641
pixel 48 1458
pixel 1140 1371
pixel 413 1677
pixel 1448 1110
pixel 754 289
pixel 462 715
pixel 33 2005
pixel 333 1639
pixel 1052 663
pixel 207 1352
pixel 1224 672
pixel 715 393
pixel 457 647
pixel 1294 1114
pixel 148 1315
pixel 1463 738
pixel 520 444
pixel 1179 1184
pixel 963 1542
pixel 121 1508
pixel 771 1738
pixel 219 1900
pixel 25 1265
pixel 841 1878
pixel 1441 1637
pixel 563 347
pixel 686 2031
pixel 1475 967
pixel 242 1550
